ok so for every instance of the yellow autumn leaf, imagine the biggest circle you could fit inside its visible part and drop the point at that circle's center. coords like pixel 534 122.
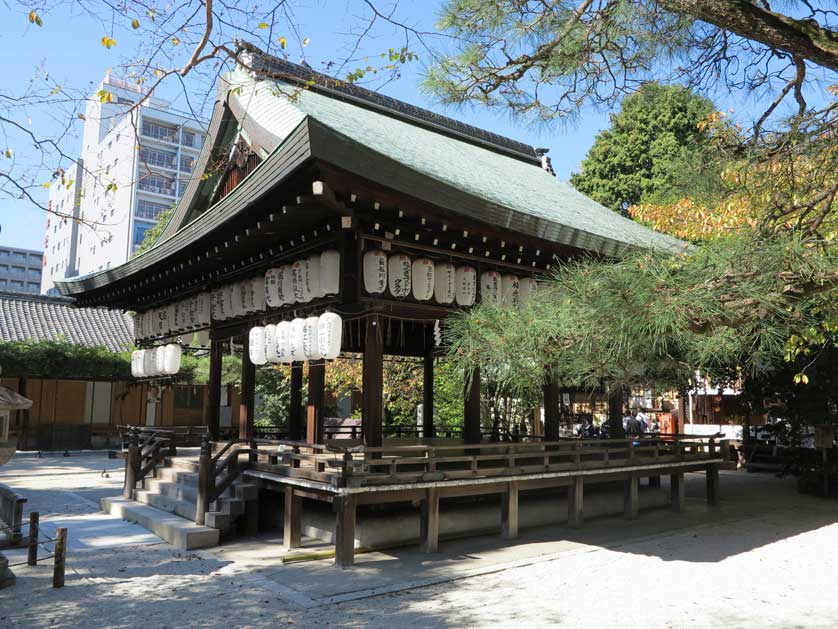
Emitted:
pixel 46 184
pixel 263 25
pixel 108 42
pixel 135 24
pixel 175 41
pixel 305 41
pixel 9 153
pixel 282 42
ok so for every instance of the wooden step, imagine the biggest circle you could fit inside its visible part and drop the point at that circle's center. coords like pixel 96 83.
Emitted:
pixel 179 532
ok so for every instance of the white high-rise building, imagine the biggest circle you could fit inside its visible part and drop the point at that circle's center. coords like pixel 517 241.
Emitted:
pixel 137 161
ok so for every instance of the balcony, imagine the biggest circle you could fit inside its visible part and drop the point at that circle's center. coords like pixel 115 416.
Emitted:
pixel 168 191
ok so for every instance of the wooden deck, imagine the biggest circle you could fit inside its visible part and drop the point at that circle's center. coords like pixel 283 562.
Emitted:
pixel 351 476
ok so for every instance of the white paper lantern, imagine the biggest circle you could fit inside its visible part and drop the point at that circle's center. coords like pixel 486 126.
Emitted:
pixel 204 308
pixel 171 319
pixel 329 334
pixel 256 300
pixel 511 290
pixel 298 282
pixel 256 345
pixel 490 288
pixel 202 338
pixel 181 315
pixel 444 282
pixel 295 339
pixel 148 363
pixel 171 359
pixel 528 287
pixel 423 279
pixel 138 326
pixel 162 321
pixel 270 343
pixel 218 304
pixel 160 360
pixel 283 338
pixel 311 343
pixel 399 270
pixel 375 272
pixel 466 285
pixel 329 272
pixel 137 363
pixel 285 285
pixel 272 299
pixel 232 299
pixel 312 276
pixel 241 298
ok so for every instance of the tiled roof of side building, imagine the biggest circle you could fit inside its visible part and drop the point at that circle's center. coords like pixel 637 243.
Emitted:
pixel 38 317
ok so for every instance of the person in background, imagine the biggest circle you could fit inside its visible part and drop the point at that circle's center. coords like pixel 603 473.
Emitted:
pixel 626 417
pixel 643 418
pixel 633 427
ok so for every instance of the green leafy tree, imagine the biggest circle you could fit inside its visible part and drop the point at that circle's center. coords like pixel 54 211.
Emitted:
pixel 653 142
pixel 153 233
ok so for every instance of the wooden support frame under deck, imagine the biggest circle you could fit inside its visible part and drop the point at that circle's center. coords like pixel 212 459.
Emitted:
pixel 429 521
pixel 575 502
pixel 509 511
pixel 345 508
pixel 292 518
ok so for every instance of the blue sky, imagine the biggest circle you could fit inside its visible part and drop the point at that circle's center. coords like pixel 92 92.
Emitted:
pixel 68 47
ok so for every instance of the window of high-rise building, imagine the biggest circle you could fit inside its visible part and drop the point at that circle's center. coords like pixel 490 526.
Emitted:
pixel 156 157
pixel 149 210
pixel 157 183
pixel 159 131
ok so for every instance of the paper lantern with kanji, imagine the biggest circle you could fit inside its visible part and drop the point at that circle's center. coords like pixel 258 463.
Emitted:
pixel 137 363
pixel 283 338
pixel 329 272
pixel 422 275
pixel 466 282
pixel 312 276
pixel 510 290
pixel 256 300
pixel 375 272
pixel 490 288
pixel 329 334
pixel 311 344
pixel 295 339
pixel 159 360
pixel 399 271
pixel 256 345
pixel 149 364
pixel 203 304
pixel 285 285
pixel 444 282
pixel 270 343
pixel 298 282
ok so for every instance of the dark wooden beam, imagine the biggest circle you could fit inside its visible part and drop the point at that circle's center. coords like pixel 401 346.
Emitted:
pixel 316 391
pixel 428 391
pixel 345 512
pixel 429 521
pixel 552 415
pixel 213 415
pixel 575 502
pixel 509 511
pixel 373 382
pixel 292 519
pixel 471 408
pixel 295 403
pixel 248 393
pixel 676 491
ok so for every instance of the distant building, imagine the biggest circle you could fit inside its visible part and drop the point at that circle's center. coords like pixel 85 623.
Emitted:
pixel 136 164
pixel 20 270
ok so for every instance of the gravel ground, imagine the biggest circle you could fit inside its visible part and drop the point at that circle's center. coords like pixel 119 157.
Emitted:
pixel 766 558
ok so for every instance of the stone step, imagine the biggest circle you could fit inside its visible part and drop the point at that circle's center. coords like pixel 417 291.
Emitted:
pixel 187 464
pixel 224 514
pixel 227 503
pixel 179 532
pixel 176 475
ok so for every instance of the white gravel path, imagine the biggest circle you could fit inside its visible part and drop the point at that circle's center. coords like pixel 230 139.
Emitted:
pixel 767 558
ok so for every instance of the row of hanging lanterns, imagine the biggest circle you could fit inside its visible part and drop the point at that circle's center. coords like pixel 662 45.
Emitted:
pixel 441 281
pixel 163 360
pixel 311 338
pixel 181 316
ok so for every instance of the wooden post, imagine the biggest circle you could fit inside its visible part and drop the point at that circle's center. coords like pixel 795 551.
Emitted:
pixel 509 511
pixel 373 383
pixel 632 497
pixel 132 465
pixel 676 491
pixel 575 502
pixel 316 391
pixel 34 528
pixel 654 481
pixel 292 520
pixel 428 391
pixel 429 521
pixel 213 415
pixel 248 384
pixel 471 408
pixel 206 480
pixel 295 420
pixel 713 485
pixel 552 414
pixel 345 507
pixel 60 558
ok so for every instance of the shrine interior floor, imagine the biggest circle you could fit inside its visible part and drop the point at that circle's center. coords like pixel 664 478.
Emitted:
pixel 764 557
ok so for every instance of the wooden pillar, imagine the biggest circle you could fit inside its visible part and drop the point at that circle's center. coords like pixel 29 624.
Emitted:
pixel 471 408
pixel 213 416
pixel 428 393
pixel 509 511
pixel 632 497
pixel 316 391
pixel 575 502
pixel 713 485
pixel 654 481
pixel 345 507
pixel 295 403
pixel 248 385
pixel 373 383
pixel 429 521
pixel 292 520
pixel 676 491
pixel 552 414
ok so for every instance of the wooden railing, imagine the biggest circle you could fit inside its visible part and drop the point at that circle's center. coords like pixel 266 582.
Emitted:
pixel 146 449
